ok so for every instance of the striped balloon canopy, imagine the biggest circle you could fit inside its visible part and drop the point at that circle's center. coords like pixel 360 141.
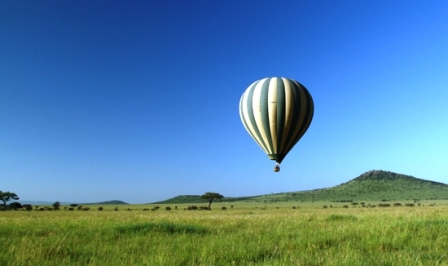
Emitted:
pixel 276 112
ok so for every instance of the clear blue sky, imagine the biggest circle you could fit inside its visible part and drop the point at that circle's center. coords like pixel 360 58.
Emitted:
pixel 138 100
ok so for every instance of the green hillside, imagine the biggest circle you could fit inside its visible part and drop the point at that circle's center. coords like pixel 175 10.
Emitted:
pixel 110 202
pixel 370 186
pixel 373 185
pixel 197 199
pixel 181 199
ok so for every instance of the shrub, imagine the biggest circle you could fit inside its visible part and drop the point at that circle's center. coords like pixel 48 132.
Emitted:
pixel 15 205
pixel 223 208
pixel 100 208
pixel 168 208
pixel 27 207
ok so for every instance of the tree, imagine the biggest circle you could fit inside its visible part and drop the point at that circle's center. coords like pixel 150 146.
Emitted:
pixel 7 196
pixel 210 197
pixel 56 205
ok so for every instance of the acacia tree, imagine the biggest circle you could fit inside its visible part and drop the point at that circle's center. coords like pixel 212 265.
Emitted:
pixel 7 196
pixel 210 197
pixel 56 205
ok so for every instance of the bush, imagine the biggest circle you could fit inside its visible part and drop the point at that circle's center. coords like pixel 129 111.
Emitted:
pixel 100 208
pixel 15 205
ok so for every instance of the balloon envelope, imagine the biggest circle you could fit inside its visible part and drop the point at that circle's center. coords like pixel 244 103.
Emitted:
pixel 276 112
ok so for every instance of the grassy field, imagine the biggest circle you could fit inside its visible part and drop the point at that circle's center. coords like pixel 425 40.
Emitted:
pixel 247 234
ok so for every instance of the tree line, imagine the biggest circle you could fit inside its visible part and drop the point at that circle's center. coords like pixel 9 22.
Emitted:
pixel 7 196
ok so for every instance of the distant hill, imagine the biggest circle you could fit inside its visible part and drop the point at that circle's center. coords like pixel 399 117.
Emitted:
pixel 375 185
pixel 182 199
pixel 110 202
pixel 197 199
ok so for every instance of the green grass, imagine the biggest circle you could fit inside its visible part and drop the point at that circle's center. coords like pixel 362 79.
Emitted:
pixel 248 234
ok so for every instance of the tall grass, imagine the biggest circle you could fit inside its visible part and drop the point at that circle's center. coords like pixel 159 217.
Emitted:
pixel 240 236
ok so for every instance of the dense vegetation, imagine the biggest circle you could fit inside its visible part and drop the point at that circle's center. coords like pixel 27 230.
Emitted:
pixel 370 186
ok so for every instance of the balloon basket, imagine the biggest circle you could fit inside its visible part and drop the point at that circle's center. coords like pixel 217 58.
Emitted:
pixel 277 168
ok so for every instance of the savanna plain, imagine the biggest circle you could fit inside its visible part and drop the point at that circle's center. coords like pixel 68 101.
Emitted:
pixel 245 234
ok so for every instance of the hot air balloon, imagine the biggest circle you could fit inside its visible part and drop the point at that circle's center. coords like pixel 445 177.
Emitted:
pixel 276 112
